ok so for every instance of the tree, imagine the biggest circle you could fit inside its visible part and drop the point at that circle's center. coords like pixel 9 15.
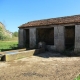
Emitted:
pixel 2 36
pixel 15 34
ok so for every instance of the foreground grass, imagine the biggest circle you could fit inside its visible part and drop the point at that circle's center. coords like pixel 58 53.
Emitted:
pixel 8 45
pixel 78 78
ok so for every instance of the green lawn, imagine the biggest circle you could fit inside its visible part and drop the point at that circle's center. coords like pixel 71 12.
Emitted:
pixel 8 45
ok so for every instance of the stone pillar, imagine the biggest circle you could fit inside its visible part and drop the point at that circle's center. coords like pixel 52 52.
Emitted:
pixel 77 38
pixel 32 37
pixel 21 38
pixel 59 37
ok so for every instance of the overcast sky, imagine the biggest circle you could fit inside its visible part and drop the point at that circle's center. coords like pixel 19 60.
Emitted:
pixel 13 13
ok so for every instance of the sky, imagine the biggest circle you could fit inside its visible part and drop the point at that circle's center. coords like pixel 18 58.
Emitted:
pixel 14 13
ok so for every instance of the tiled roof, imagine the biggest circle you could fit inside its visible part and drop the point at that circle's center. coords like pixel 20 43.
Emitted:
pixel 52 21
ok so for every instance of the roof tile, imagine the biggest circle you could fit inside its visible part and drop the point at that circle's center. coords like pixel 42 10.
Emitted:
pixel 52 21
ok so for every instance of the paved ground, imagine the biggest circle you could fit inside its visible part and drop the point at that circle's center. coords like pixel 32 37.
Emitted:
pixel 41 67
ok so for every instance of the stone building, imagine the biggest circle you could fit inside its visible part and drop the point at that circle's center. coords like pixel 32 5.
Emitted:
pixel 62 32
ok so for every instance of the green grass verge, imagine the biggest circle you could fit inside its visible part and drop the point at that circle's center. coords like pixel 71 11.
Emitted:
pixel 78 78
pixel 8 45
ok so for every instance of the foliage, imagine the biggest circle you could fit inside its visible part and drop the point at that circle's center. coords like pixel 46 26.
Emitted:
pixel 78 78
pixel 2 36
pixel 15 34
pixel 0 29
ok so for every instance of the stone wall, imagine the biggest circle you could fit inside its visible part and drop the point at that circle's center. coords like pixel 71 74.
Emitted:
pixel 59 37
pixel 32 37
pixel 56 35
pixel 21 38
pixel 77 38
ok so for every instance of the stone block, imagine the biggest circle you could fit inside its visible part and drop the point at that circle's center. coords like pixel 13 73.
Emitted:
pixel 21 54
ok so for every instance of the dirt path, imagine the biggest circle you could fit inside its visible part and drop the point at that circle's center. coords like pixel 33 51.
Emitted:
pixel 39 68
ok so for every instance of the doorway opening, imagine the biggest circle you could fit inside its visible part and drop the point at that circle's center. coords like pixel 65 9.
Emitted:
pixel 27 38
pixel 69 37
pixel 46 35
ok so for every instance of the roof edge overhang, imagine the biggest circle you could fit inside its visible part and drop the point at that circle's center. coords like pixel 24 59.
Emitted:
pixel 52 21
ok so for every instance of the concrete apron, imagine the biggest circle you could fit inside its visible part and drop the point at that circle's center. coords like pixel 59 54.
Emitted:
pixel 13 55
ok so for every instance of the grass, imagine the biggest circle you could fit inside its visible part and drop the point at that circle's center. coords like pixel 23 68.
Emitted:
pixel 9 45
pixel 78 78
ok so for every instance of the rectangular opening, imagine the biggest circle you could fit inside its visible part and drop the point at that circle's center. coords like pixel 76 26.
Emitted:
pixel 27 38
pixel 69 37
pixel 46 35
